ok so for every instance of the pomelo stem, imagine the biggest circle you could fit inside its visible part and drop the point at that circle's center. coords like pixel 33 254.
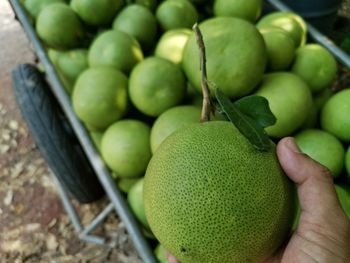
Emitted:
pixel 207 105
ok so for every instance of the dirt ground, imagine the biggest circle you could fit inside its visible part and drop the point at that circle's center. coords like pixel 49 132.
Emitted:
pixel 33 224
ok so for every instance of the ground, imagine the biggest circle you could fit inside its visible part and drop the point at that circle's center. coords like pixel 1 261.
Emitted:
pixel 34 226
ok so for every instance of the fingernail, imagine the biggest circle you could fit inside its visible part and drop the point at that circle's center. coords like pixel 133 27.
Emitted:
pixel 291 145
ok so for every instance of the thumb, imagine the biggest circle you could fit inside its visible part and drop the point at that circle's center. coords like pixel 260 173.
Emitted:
pixel 316 191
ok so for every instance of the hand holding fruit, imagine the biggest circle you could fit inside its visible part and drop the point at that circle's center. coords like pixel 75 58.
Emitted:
pixel 323 234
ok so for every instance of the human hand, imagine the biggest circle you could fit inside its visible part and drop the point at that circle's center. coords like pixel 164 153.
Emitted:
pixel 323 234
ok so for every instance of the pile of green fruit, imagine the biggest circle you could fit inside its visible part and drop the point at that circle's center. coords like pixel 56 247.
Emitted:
pixel 132 69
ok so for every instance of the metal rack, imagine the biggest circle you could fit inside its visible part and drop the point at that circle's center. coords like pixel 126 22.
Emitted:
pixel 117 200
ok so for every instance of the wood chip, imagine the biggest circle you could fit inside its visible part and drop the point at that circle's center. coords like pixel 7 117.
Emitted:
pixel 4 148
pixel 13 125
pixel 6 136
pixel 17 169
pixel 51 242
pixel 8 198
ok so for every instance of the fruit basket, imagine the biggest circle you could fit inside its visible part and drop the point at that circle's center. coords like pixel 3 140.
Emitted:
pixel 104 178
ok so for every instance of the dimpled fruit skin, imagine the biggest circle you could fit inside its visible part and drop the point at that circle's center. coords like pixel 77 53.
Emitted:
pixel 210 196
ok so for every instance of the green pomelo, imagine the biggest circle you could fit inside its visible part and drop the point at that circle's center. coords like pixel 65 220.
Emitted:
pixel 347 161
pixel 211 196
pixel 34 7
pixel 324 148
pixel 171 45
pixel 234 70
pixel 344 198
pixel 288 21
pixel 335 117
pixel 280 48
pixel 248 10
pixel 160 254
pixel 92 128
pixel 96 13
pixel 125 184
pixel 139 22
pixel 150 4
pixel 96 138
pixel 126 148
pixel 100 96
pixel 316 66
pixel 311 119
pixel 59 27
pixel 54 56
pixel 321 98
pixel 289 99
pixel 72 63
pixel 156 85
pixel 116 49
pixel 135 201
pixel 172 120
pixel 172 14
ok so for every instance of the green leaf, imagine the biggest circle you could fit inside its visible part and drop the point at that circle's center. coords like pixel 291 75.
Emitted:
pixel 245 124
pixel 257 108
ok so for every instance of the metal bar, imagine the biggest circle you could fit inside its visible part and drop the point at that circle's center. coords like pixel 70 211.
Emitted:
pixel 94 239
pixel 70 209
pixel 97 163
pixel 341 56
pixel 98 219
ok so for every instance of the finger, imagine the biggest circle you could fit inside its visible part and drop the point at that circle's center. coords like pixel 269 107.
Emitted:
pixel 171 258
pixel 316 190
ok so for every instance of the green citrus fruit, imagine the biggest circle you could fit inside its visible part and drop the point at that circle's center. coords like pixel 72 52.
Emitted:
pixel 59 27
pixel 288 21
pixel 289 99
pixel 323 147
pixel 34 7
pixel 234 70
pixel 344 199
pixel 72 63
pixel 248 10
pixel 156 85
pixel 135 201
pixel 172 43
pixel 96 13
pixel 335 117
pixel 316 66
pixel 311 119
pixel 210 196
pixel 280 48
pixel 96 137
pixel 321 98
pixel 172 120
pixel 117 49
pixel 347 161
pixel 139 22
pixel 150 4
pixel 100 96
pixel 160 254
pixel 126 147
pixel 125 184
pixel 54 56
pixel 172 14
